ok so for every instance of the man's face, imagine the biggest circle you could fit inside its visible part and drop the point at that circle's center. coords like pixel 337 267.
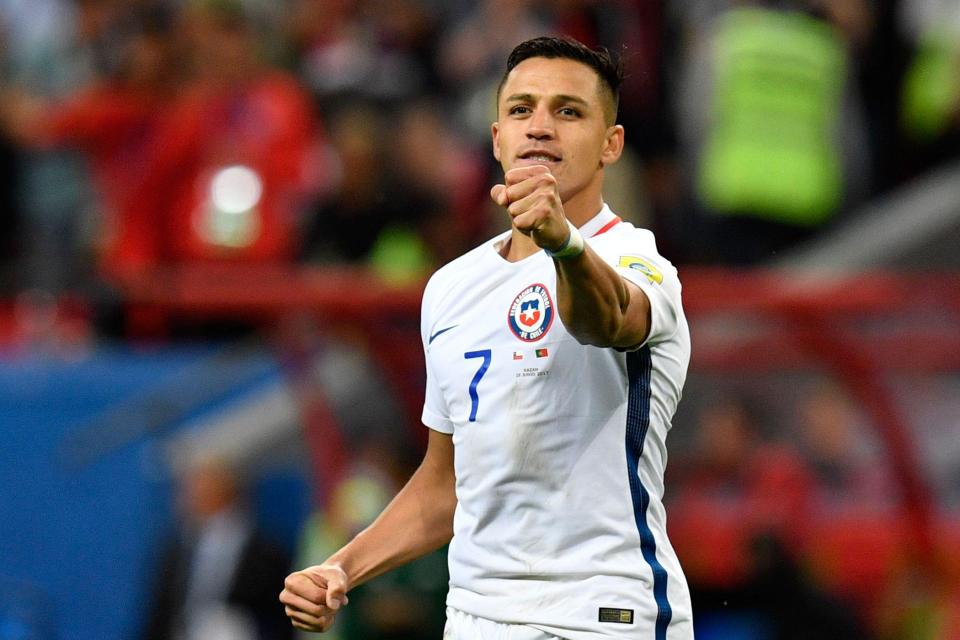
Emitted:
pixel 551 112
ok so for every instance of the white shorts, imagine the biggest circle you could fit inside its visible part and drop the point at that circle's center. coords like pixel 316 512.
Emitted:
pixel 463 626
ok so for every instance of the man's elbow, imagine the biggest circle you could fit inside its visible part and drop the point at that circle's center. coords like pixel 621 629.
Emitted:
pixel 600 333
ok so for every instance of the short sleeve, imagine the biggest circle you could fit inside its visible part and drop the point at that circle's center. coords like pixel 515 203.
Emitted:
pixel 634 256
pixel 434 408
pixel 435 414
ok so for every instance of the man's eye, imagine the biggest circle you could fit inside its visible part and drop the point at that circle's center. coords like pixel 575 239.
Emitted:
pixel 519 109
pixel 570 112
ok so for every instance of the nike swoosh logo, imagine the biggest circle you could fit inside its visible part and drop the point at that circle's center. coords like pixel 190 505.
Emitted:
pixel 434 336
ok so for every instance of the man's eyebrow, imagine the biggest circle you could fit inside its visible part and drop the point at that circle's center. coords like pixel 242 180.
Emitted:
pixel 529 97
pixel 574 99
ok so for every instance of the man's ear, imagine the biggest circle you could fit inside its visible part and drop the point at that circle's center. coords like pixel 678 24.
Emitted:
pixel 495 133
pixel 612 145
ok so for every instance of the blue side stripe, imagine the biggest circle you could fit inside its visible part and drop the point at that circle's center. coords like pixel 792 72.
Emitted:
pixel 638 420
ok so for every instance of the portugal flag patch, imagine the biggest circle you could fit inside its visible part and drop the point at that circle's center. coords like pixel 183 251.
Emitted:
pixel 542 353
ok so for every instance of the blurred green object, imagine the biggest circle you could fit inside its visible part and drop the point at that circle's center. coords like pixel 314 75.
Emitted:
pixel 400 256
pixel 931 88
pixel 772 151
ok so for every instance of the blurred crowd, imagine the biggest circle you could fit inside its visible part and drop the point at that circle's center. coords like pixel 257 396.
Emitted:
pixel 157 132
pixel 787 514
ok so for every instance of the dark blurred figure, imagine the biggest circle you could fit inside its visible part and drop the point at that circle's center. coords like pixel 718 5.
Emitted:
pixel 740 520
pixel 775 601
pixel 848 468
pixel 367 199
pixel 11 218
pixel 378 51
pixel 406 193
pixel 218 578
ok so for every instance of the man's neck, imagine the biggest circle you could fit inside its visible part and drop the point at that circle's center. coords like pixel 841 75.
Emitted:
pixel 581 208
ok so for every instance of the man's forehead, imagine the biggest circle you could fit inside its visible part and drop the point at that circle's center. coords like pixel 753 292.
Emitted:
pixel 545 77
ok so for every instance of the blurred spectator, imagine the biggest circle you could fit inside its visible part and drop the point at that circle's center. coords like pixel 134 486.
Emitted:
pixel 734 486
pixel 216 165
pixel 117 122
pixel 930 113
pixel 219 577
pixel 347 224
pixel 374 51
pixel 471 58
pixel 432 159
pixel 773 139
pixel 727 434
pixel 50 47
pixel 737 509
pixel 847 471
pixel 239 156
pixel 392 205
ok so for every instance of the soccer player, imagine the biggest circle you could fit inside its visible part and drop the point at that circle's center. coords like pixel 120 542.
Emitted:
pixel 556 353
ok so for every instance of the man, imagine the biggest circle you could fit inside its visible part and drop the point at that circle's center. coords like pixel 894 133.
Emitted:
pixel 214 577
pixel 556 353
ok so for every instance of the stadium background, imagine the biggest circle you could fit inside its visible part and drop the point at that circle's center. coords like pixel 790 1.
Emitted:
pixel 217 217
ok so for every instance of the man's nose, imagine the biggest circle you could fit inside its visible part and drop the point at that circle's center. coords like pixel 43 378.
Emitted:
pixel 541 125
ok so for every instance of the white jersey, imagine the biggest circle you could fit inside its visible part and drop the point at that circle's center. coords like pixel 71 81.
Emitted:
pixel 559 448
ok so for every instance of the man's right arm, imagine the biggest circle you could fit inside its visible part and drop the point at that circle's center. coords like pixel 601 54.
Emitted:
pixel 417 521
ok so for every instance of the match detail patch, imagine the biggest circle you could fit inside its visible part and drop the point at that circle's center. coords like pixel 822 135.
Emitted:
pixel 635 262
pixel 619 616
pixel 531 313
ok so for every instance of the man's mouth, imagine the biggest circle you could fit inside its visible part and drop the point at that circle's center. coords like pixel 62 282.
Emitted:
pixel 538 156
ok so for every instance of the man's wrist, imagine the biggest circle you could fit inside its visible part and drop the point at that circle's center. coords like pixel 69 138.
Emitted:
pixel 573 247
pixel 337 561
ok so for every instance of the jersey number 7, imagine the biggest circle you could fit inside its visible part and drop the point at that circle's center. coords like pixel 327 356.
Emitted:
pixel 487 355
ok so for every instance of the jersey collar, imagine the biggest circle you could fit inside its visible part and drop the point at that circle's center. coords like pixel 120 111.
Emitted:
pixel 600 223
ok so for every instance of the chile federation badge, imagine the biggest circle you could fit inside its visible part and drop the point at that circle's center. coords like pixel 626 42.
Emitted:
pixel 531 313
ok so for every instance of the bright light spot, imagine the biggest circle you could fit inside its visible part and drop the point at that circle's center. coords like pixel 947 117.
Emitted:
pixel 236 189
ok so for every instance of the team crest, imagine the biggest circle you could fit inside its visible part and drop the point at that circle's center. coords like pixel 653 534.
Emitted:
pixel 531 313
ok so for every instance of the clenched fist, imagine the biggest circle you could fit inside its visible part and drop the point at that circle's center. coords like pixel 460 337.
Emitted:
pixel 313 596
pixel 532 198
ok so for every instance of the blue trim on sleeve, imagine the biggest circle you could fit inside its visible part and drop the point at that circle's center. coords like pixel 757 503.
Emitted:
pixel 638 420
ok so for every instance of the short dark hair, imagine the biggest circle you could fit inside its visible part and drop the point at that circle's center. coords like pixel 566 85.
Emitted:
pixel 609 68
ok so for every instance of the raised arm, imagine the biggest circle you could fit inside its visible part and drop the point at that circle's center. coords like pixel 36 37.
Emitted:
pixel 597 305
pixel 417 521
